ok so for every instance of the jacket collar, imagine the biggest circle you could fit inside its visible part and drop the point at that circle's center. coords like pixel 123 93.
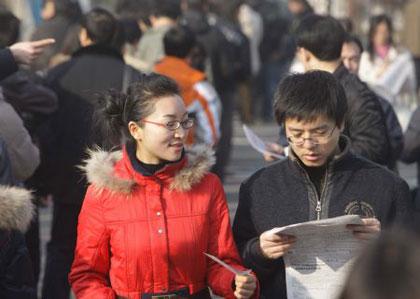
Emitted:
pixel 98 50
pixel 344 145
pixel 113 170
pixel 16 208
pixel 341 72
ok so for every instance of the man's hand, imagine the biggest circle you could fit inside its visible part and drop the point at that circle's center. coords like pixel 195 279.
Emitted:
pixel 26 52
pixel 274 148
pixel 245 286
pixel 366 231
pixel 274 246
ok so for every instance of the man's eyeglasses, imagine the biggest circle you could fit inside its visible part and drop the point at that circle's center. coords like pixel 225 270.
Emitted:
pixel 173 124
pixel 316 138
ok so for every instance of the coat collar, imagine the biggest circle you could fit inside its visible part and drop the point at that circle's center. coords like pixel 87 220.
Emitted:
pixel 98 50
pixel 113 170
pixel 16 208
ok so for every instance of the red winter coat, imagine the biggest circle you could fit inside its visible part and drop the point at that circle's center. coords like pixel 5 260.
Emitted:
pixel 147 234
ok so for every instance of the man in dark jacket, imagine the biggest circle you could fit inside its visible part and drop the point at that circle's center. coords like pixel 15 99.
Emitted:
pixel 96 67
pixel 411 152
pixel 319 40
pixel 320 179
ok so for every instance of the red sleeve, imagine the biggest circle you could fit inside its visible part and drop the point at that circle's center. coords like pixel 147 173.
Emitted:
pixel 89 273
pixel 222 245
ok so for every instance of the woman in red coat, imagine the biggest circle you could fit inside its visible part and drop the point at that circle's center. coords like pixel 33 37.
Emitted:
pixel 152 210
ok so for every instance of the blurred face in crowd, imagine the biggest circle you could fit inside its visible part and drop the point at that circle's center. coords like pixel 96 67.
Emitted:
pixel 295 7
pixel 313 141
pixel 381 36
pixel 350 55
pixel 157 141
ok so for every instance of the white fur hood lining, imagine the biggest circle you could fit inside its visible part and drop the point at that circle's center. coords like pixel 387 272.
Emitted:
pixel 99 169
pixel 16 208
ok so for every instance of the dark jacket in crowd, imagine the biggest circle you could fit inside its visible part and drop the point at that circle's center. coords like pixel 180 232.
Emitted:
pixel 65 140
pixel 282 194
pixel 365 123
pixel 411 152
pixel 16 210
pixel 8 63
pixel 30 99
pixel 218 67
pixel 395 133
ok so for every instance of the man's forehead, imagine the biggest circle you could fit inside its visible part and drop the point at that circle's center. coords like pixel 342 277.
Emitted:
pixel 308 123
pixel 350 49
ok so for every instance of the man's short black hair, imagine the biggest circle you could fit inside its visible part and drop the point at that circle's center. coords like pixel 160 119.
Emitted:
pixel 308 96
pixel 323 36
pixel 101 26
pixel 166 8
pixel 179 41
pixel 9 27
pixel 351 38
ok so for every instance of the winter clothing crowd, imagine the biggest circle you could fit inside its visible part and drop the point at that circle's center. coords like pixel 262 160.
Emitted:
pixel 124 120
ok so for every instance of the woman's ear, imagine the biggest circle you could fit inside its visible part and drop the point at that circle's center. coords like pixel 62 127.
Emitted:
pixel 135 130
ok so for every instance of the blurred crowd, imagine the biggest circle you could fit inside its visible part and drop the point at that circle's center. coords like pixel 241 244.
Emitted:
pixel 227 57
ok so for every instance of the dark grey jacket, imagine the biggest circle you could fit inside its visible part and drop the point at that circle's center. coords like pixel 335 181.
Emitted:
pixel 411 152
pixel 365 124
pixel 282 194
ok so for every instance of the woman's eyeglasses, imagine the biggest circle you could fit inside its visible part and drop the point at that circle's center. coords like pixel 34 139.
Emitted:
pixel 173 124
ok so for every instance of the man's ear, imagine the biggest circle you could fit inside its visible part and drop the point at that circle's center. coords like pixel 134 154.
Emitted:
pixel 84 38
pixel 135 130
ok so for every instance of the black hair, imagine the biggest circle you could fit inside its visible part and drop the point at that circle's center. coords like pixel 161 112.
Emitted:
pixel 9 27
pixel 133 9
pixel 323 36
pixel 374 22
pixel 131 30
pixel 198 5
pixel 351 38
pixel 115 109
pixel 308 96
pixel 101 26
pixel 179 41
pixel 166 8
pixel 387 268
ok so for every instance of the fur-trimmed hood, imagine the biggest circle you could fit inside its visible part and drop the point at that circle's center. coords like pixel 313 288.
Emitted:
pixel 100 170
pixel 16 208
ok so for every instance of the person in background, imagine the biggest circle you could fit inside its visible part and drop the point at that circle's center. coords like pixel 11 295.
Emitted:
pixel 156 199
pixel 16 210
pixel 321 178
pixel 200 98
pixel 96 66
pixel 58 17
pixel 320 40
pixel 33 103
pixel 389 68
pixel 350 55
pixel 164 15
pixel 411 153
pixel 387 268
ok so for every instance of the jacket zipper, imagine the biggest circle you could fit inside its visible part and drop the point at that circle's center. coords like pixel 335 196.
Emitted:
pixel 318 208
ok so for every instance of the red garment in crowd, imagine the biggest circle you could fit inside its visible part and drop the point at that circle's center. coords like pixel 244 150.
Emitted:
pixel 147 234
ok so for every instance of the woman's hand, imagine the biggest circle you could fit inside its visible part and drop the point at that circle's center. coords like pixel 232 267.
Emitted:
pixel 245 286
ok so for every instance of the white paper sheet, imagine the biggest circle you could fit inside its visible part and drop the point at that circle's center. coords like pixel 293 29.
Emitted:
pixel 257 143
pixel 230 268
pixel 319 261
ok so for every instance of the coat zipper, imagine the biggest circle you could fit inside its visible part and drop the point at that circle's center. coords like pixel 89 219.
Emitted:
pixel 318 208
